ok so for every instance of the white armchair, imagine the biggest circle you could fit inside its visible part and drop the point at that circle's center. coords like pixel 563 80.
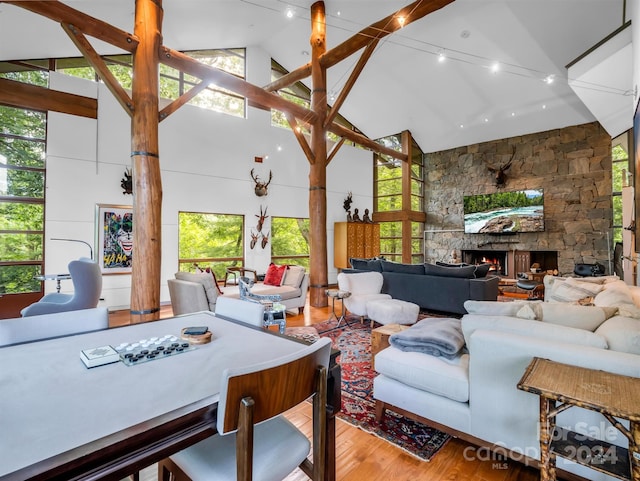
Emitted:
pixel 364 288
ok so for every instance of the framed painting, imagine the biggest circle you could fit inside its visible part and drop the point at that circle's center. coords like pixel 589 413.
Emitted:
pixel 114 238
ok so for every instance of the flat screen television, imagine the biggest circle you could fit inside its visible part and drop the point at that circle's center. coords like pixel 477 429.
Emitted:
pixel 504 212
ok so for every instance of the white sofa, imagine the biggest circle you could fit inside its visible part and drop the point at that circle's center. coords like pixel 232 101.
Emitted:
pixel 475 397
pixel 194 292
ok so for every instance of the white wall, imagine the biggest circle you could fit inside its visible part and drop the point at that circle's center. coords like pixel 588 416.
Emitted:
pixel 205 159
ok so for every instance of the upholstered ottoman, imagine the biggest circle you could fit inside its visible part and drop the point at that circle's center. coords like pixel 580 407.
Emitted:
pixel 392 311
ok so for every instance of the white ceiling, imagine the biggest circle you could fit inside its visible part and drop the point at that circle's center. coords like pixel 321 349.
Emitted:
pixel 445 105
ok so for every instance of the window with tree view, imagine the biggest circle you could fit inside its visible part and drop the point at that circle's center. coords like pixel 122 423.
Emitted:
pixel 210 240
pixel 22 179
pixel 290 241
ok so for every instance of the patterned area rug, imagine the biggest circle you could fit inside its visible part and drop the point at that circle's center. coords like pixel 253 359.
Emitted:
pixel 353 339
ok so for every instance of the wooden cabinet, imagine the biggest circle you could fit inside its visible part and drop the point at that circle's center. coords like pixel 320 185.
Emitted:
pixel 354 239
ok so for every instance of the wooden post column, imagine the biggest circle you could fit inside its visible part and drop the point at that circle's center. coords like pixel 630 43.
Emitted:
pixel 147 183
pixel 318 164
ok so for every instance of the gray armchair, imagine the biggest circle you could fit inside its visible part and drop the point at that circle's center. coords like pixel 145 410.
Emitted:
pixel 87 287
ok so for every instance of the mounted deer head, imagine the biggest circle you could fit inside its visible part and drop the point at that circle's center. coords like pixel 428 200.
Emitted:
pixel 261 218
pixel 265 240
pixel 261 187
pixel 254 239
pixel 501 176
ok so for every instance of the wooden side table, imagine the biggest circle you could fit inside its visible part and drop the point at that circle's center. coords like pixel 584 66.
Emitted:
pixel 560 387
pixel 380 339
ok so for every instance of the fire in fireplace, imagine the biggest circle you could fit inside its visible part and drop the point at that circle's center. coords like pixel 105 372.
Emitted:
pixel 497 259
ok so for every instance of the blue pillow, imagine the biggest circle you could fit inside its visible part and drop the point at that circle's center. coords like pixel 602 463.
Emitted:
pixel 388 266
pixel 366 264
pixel 467 272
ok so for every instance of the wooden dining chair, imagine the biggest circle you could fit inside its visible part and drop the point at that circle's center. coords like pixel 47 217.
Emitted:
pixel 255 440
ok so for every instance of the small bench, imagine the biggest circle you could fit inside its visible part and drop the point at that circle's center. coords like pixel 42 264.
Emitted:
pixel 392 311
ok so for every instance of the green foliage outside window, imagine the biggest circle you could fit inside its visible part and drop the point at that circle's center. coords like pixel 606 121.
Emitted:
pixel 172 82
pixel 22 175
pixel 210 240
pixel 620 167
pixel 290 241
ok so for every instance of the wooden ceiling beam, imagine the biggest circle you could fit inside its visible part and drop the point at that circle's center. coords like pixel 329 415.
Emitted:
pixel 183 62
pixel 290 78
pixel 381 29
pixel 335 149
pixel 183 99
pixel 61 13
pixel 360 139
pixel 99 66
pixel 355 73
pixel 27 96
pixel 302 140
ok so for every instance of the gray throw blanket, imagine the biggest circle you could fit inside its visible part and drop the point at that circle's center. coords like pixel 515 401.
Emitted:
pixel 435 336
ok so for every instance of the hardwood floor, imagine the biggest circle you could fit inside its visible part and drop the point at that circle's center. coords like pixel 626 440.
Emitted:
pixel 362 456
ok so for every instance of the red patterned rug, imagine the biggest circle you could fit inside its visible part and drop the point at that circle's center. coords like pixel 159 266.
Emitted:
pixel 353 339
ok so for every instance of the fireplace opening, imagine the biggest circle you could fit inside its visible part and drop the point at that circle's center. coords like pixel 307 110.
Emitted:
pixel 497 259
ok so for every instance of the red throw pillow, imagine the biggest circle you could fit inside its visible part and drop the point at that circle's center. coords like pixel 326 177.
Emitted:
pixel 274 274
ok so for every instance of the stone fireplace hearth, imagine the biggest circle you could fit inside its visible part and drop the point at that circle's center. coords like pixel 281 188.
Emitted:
pixel 573 167
pixel 497 259
pixel 511 263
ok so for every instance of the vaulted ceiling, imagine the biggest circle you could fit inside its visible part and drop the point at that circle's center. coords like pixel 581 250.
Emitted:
pixel 458 101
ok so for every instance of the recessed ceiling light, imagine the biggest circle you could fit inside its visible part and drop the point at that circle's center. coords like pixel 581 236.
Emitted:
pixel 544 106
pixel 441 56
pixel 486 119
pixel 289 12
pixel 462 126
pixel 513 114
pixel 549 79
pixel 465 34
pixel 495 67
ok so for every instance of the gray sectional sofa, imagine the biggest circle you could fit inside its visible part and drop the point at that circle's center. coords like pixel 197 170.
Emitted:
pixel 436 287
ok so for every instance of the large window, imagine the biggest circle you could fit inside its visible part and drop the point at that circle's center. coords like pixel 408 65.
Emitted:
pixel 290 241
pixel 619 174
pixel 173 83
pixel 22 180
pixel 210 240
pixel 399 200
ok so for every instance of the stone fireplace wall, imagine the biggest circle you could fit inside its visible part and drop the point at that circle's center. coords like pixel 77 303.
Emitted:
pixel 572 165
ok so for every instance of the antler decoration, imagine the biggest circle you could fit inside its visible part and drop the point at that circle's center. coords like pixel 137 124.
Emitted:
pixel 261 218
pixel 265 240
pixel 127 182
pixel 347 202
pixel 501 176
pixel 261 187
pixel 254 239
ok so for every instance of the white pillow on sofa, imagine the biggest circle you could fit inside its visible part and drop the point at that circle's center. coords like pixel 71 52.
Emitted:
pixel 619 295
pixel 494 308
pixel 570 315
pixel 293 276
pixel 622 334
pixel 572 290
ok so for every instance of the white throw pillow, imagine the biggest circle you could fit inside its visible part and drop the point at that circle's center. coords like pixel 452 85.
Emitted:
pixel 493 308
pixel 588 318
pixel 622 334
pixel 293 276
pixel 572 290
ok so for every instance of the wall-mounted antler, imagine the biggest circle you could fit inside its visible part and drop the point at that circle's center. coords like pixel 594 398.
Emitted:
pixel 501 176
pixel 261 187
pixel 261 218
pixel 254 239
pixel 265 240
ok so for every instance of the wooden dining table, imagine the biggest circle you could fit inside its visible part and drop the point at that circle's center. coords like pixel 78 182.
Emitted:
pixel 60 420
